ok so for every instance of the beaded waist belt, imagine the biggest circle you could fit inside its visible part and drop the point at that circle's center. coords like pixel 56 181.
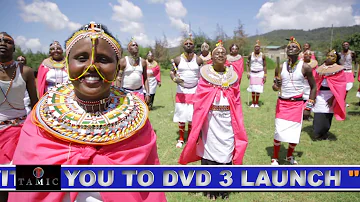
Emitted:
pixel 13 122
pixel 220 108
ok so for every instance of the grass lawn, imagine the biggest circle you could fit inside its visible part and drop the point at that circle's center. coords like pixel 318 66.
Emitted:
pixel 341 149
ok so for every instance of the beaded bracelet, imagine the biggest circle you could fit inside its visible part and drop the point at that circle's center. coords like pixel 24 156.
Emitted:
pixel 309 104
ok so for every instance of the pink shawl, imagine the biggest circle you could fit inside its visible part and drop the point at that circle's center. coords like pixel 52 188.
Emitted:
pixel 156 72
pixel 41 79
pixel 38 147
pixel 9 138
pixel 238 67
pixel 203 99
pixel 337 85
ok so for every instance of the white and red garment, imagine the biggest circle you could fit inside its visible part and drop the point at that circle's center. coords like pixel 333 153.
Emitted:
pixel 289 113
pixel 358 93
pixel 346 61
pixel 256 74
pixel 154 77
pixel 190 73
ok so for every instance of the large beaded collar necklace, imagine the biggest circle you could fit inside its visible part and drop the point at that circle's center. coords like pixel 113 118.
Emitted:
pixel 63 117
pixel 224 80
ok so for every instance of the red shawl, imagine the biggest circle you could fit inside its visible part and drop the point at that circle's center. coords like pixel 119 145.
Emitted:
pixel 156 72
pixel 337 85
pixel 238 66
pixel 203 99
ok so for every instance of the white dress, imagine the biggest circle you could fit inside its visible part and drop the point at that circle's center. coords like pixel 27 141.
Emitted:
pixel 217 139
pixel 256 74
pixel 190 73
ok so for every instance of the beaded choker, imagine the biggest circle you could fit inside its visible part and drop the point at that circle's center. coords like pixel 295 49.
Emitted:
pixel 49 62
pixel 60 115
pixel 91 104
pixel 5 65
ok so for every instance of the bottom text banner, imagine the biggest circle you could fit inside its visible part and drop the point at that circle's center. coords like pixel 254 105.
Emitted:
pixel 179 178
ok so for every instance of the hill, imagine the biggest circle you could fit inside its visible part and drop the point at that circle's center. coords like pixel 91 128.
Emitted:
pixel 318 38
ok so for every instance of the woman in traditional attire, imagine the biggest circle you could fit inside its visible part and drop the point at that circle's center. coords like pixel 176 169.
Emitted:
pixel 307 57
pixel 185 73
pixel 205 53
pixel 236 60
pixel 256 68
pixel 330 100
pixel 52 70
pixel 64 127
pixel 289 81
pixel 15 80
pixel 153 76
pixel 306 47
pixel 133 73
pixel 218 136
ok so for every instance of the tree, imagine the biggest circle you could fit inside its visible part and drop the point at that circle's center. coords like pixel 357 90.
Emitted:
pixel 161 52
pixel 240 38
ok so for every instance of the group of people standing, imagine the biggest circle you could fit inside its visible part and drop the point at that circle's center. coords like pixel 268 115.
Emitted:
pixel 91 106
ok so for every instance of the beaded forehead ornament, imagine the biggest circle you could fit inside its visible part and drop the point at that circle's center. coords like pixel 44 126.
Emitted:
pixel 219 45
pixel 189 38
pixel 94 31
pixel 55 43
pixel 257 43
pixel 293 40
pixel 132 42
pixel 149 53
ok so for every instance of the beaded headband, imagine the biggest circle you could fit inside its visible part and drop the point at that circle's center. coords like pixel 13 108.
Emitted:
pixel 55 43
pixel 293 40
pixel 307 52
pixel 328 55
pixel 189 38
pixel 149 53
pixel 20 57
pixel 205 47
pixel 257 43
pixel 219 45
pixel 93 31
pixel 132 41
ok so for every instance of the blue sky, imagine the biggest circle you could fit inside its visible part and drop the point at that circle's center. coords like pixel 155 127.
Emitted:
pixel 36 23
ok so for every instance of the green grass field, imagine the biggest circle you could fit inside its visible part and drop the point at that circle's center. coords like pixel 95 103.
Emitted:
pixel 341 149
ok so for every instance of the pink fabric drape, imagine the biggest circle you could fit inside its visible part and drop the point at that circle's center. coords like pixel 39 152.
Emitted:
pixel 9 138
pixel 204 97
pixel 38 147
pixel 337 84
pixel 41 80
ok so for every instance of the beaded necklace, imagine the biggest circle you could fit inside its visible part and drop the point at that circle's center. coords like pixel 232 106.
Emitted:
pixel 86 104
pixel 61 115
pixel 6 93
pixel 5 65
pixel 225 80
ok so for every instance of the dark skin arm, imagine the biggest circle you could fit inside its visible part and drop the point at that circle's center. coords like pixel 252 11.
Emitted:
pixel 307 72
pixel 29 78
pixel 199 61
pixel 353 56
pixel 248 66
pixel 277 82
pixel 178 80
pixel 146 82
pixel 265 70
pixel 119 78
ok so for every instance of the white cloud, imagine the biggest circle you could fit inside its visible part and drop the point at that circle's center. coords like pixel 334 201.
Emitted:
pixel 129 16
pixel 33 44
pixel 143 40
pixel 306 14
pixel 179 24
pixel 174 42
pixel 175 8
pixel 126 11
pixel 48 13
pixel 156 1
